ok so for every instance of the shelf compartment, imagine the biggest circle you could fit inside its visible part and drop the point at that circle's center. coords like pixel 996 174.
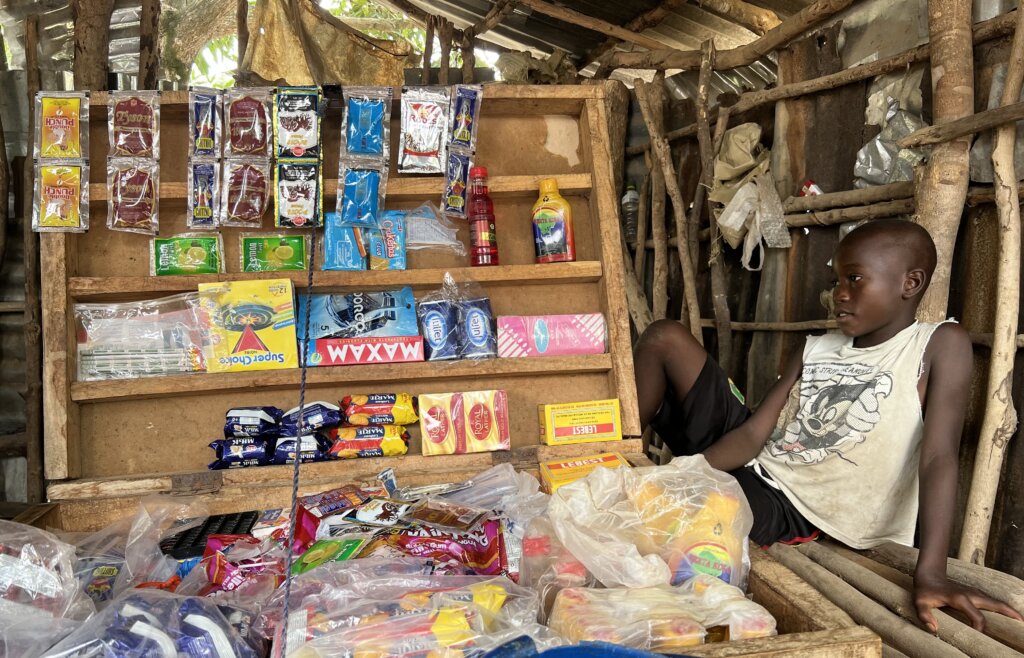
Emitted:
pixel 371 374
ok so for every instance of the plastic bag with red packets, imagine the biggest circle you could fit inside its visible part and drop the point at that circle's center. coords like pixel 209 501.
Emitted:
pixel 482 550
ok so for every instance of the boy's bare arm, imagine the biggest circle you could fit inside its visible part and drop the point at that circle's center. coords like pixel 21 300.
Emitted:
pixel 950 358
pixel 739 446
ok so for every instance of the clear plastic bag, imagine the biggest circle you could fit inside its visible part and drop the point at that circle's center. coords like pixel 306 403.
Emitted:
pixel 205 107
pixel 424 128
pixel 62 125
pixel 245 192
pixel 361 191
pixel 158 518
pixel 139 339
pixel 427 228
pixel 366 123
pixel 237 570
pixel 133 189
pixel 654 526
pixel 62 197
pixel 247 117
pixel 204 198
pixel 548 566
pixel 186 253
pixel 152 623
pixel 133 124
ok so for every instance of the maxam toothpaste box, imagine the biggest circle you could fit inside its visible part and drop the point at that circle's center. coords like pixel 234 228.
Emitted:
pixel 551 335
pixel 559 473
pixel 580 422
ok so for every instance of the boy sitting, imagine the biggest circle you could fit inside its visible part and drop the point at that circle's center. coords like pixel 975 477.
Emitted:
pixel 861 427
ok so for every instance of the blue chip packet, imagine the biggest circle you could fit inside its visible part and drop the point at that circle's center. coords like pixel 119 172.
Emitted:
pixel 385 246
pixel 252 422
pixel 365 126
pixel 315 416
pixel 359 200
pixel 239 453
pixel 343 246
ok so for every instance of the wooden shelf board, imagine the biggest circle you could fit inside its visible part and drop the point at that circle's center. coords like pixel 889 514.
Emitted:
pixel 359 470
pixel 109 288
pixel 191 385
pixel 410 187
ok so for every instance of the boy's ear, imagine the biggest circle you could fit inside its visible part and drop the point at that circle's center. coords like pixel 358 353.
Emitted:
pixel 914 283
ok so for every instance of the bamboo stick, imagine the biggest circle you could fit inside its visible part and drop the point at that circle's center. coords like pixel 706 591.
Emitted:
pixel 894 631
pixel 659 284
pixel 789 29
pixel 1000 420
pixel 640 259
pixel 575 18
pixel 942 189
pixel 900 601
pixel 969 125
pixel 649 95
pixel 852 214
pixel 1001 586
pixel 873 194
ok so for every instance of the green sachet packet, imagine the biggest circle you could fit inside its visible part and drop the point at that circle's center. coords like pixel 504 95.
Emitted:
pixel 187 253
pixel 274 252
pixel 328 550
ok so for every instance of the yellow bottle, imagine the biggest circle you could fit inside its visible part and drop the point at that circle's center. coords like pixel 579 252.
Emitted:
pixel 553 238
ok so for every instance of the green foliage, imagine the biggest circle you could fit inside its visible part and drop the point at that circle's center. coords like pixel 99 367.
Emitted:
pixel 216 63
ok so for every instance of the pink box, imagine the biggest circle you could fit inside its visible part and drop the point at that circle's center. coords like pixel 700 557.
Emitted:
pixel 551 335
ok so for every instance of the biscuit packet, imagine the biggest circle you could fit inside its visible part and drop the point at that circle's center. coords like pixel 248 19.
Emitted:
pixel 369 441
pixel 203 201
pixel 385 245
pixel 299 199
pixel 274 252
pixel 62 125
pixel 62 197
pixel 248 122
pixel 245 192
pixel 133 186
pixel 133 124
pixel 188 253
pixel 379 409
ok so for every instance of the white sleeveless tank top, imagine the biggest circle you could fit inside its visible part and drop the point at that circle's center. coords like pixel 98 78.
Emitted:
pixel 847 445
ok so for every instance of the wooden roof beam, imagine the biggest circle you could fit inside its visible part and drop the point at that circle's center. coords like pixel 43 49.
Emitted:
pixel 597 25
pixel 648 19
pixel 754 18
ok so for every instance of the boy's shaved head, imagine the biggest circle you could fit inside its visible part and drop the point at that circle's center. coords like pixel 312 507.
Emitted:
pixel 908 242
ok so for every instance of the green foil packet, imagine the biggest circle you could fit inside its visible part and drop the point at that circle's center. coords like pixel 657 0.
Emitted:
pixel 187 253
pixel 274 252
pixel 327 550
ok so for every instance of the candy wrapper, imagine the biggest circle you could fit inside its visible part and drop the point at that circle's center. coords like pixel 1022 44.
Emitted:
pixel 459 423
pixel 334 501
pixel 361 191
pixel 312 448
pixel 205 107
pixel 133 124
pixel 383 512
pixel 299 199
pixel 481 550
pixel 188 253
pixel 424 125
pixel 361 314
pixel 245 193
pixel 327 550
pixel 297 122
pixel 443 515
pixel 385 246
pixel 252 422
pixel 240 453
pixel 62 125
pixel 465 117
pixel 343 245
pixel 204 198
pixel 275 252
pixel 456 186
pixel 62 197
pixel 133 195
pixel 366 123
pixel 369 441
pixel 248 115
pixel 315 416
pixel 379 409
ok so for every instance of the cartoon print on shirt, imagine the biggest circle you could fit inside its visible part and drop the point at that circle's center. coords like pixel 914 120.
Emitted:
pixel 838 407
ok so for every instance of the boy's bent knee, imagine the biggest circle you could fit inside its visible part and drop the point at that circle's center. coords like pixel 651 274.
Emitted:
pixel 667 335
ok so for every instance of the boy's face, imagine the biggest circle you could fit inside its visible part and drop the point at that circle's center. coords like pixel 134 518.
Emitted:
pixel 869 291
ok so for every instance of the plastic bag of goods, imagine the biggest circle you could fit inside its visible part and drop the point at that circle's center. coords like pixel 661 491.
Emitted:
pixel 654 526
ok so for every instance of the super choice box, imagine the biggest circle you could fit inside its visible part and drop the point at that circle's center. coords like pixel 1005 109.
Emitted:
pixel 580 422
pixel 557 474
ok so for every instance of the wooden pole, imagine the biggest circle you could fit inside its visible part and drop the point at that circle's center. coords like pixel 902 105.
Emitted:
pixel 445 35
pixel 754 18
pixel 91 19
pixel 873 194
pixel 899 600
pixel 977 196
pixel 428 50
pixel 1000 419
pixel 648 19
pixel 468 60
pixel 575 18
pixel 636 300
pixel 650 95
pixel 33 328
pixel 986 339
pixel 943 187
pixel 149 45
pixel 809 325
pixel 242 20
pixel 894 631
pixel 659 283
pixel 968 125
pixel 789 29
pixel 640 260
pixel 853 214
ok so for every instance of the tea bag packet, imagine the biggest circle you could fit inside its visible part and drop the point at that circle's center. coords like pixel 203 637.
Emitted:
pixel 133 124
pixel 245 192
pixel 188 253
pixel 133 188
pixel 297 122
pixel 299 199
pixel 203 208
pixel 248 114
pixel 366 123
pixel 464 116
pixel 361 191
pixel 424 128
pixel 274 252
pixel 456 187
pixel 205 107
pixel 62 197
pixel 62 125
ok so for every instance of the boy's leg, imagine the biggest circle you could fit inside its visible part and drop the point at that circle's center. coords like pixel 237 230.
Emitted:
pixel 667 358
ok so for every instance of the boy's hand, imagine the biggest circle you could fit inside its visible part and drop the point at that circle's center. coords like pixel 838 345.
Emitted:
pixel 939 592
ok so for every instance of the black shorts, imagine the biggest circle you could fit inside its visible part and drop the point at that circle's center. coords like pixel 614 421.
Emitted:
pixel 712 409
